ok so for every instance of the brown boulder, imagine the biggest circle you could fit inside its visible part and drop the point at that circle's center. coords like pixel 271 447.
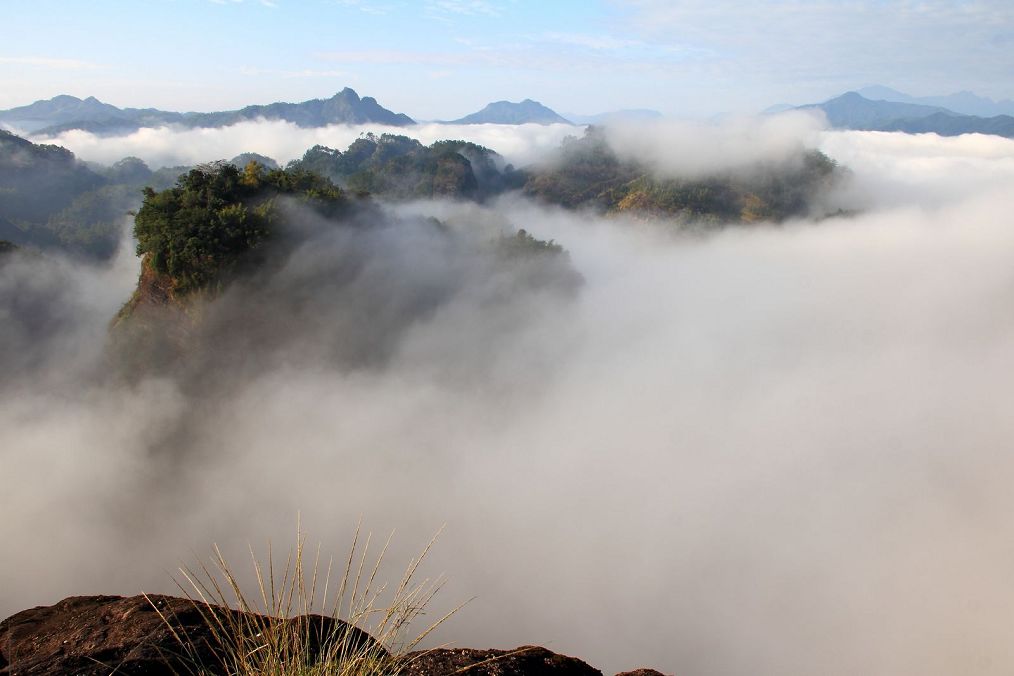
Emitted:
pixel 99 635
pixel 641 672
pixel 524 661
pixel 95 635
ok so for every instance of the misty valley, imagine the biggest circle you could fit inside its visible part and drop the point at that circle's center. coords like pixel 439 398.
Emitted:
pixel 723 396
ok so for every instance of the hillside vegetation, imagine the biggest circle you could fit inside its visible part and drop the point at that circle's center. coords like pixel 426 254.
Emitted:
pixel 51 200
pixel 285 265
pixel 400 167
pixel 201 229
pixel 589 173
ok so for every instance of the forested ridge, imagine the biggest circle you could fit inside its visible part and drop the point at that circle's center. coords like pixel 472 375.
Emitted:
pixel 50 200
pixel 203 227
pixel 589 173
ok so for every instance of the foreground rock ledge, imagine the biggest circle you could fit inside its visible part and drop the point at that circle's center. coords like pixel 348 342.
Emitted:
pixel 99 635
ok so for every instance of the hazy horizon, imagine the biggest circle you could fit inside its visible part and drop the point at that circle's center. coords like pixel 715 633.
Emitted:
pixel 442 59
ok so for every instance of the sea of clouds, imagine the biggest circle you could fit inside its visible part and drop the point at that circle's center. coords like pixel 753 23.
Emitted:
pixel 777 449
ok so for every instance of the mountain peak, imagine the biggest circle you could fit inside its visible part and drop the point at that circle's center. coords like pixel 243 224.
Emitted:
pixel 67 112
pixel 853 111
pixel 964 102
pixel 507 112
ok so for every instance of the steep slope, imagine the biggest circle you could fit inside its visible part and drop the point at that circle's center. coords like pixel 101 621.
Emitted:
pixel 506 112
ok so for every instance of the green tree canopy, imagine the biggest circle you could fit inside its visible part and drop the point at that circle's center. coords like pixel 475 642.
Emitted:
pixel 206 225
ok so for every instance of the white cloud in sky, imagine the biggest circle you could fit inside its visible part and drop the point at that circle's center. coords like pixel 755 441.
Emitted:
pixel 907 44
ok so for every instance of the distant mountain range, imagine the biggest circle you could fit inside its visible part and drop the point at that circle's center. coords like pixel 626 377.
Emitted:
pixel 854 111
pixel 964 102
pixel 533 112
pixel 63 113
pixel 70 112
pixel 506 112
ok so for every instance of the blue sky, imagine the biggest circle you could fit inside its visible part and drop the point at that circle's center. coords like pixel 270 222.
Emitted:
pixel 439 59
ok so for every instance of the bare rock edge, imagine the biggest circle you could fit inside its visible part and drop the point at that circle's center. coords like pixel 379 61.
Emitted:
pixel 131 636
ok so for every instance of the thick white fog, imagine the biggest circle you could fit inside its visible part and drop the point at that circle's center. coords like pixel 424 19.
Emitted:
pixel 771 450
pixel 284 141
pixel 691 148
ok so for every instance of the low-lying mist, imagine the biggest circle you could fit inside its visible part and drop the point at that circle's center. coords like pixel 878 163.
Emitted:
pixel 771 449
pixel 691 149
pixel 284 141
pixel 683 148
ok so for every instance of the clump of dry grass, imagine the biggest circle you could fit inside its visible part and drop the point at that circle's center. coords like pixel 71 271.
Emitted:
pixel 358 627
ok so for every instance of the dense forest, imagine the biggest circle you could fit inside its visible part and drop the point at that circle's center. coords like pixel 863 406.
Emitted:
pixel 215 216
pixel 400 167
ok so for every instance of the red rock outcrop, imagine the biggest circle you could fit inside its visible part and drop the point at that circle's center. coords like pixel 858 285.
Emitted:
pixel 102 635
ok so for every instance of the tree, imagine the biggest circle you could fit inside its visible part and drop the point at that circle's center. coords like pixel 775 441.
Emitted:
pixel 205 227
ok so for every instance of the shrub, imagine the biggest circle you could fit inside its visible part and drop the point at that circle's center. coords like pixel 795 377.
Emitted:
pixel 277 633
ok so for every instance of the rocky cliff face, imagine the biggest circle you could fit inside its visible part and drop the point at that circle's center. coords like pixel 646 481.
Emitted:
pixel 101 635
pixel 156 326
